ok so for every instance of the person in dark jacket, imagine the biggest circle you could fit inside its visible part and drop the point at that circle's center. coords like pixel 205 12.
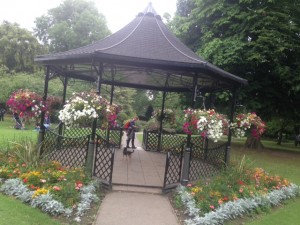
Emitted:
pixel 131 133
pixel 2 112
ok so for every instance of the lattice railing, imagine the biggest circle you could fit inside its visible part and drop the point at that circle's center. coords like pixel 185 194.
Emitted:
pixel 104 159
pixel 206 162
pixel 151 143
pixel 173 167
pixel 114 135
pixel 69 151
pixel 170 141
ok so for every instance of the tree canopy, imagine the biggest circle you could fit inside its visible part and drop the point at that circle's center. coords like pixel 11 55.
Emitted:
pixel 257 40
pixel 18 47
pixel 73 24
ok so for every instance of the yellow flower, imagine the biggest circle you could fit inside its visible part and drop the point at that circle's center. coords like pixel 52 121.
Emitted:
pixel 41 191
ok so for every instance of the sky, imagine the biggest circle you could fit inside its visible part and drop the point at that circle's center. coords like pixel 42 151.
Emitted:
pixel 118 13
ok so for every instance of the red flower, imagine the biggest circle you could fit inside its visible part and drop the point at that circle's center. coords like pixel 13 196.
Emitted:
pixel 25 180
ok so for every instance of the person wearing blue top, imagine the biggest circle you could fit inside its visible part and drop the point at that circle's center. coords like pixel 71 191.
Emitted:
pixel 131 133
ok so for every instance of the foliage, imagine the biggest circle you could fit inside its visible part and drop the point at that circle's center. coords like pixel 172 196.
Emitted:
pixel 83 107
pixel 168 115
pixel 18 47
pixel 237 36
pixel 74 23
pixel 27 102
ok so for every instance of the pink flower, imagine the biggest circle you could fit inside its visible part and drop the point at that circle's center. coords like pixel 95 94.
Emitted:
pixel 212 207
pixel 56 188
pixel 43 180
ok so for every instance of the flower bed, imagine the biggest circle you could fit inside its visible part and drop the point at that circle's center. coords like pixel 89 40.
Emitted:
pixel 52 188
pixel 234 193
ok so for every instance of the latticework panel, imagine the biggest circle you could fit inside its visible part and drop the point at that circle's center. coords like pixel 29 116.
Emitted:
pixel 104 159
pixel 206 162
pixel 170 141
pixel 77 131
pixel 114 135
pixel 197 141
pixel 152 141
pixel 173 166
pixel 71 152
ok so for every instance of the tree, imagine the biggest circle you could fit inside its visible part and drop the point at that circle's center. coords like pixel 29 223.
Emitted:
pixel 18 47
pixel 73 24
pixel 257 40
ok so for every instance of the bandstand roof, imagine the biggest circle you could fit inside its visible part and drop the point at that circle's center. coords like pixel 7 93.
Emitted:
pixel 143 54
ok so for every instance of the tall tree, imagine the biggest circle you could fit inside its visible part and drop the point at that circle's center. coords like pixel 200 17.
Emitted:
pixel 18 47
pixel 257 40
pixel 74 23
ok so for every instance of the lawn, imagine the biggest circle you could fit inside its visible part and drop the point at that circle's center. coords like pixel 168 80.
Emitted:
pixel 8 133
pixel 13 211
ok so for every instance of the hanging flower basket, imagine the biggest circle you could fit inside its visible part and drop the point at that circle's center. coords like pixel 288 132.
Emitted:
pixel 208 123
pixel 250 121
pixel 27 102
pixel 212 125
pixel 82 108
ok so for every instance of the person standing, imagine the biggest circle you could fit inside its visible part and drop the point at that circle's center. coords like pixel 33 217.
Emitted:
pixel 131 133
pixel 297 140
pixel 2 112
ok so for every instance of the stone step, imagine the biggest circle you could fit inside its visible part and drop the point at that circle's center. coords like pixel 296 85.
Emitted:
pixel 138 189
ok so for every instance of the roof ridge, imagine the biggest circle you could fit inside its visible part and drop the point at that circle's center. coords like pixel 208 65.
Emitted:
pixel 120 42
pixel 198 60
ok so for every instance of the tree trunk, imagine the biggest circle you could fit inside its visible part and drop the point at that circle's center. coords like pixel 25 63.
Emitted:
pixel 279 140
pixel 253 143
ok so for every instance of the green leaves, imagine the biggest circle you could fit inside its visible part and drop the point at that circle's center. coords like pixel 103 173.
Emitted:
pixel 73 24
pixel 18 47
pixel 258 40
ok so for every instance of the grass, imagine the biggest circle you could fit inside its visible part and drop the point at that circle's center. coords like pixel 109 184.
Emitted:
pixel 9 133
pixel 13 212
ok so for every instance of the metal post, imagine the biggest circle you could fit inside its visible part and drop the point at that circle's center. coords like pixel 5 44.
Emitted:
pixel 91 148
pixel 161 122
pixel 111 99
pixel 188 149
pixel 60 128
pixel 42 128
pixel 228 148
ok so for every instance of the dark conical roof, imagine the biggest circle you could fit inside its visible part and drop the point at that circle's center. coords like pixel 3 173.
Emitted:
pixel 145 44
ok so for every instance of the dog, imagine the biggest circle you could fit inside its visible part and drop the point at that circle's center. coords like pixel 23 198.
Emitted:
pixel 126 152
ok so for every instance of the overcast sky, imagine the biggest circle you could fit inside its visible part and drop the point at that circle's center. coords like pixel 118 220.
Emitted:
pixel 118 13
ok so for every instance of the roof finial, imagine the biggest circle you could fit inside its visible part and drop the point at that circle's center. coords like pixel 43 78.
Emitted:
pixel 150 9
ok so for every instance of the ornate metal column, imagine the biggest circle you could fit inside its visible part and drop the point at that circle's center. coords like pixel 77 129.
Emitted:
pixel 161 122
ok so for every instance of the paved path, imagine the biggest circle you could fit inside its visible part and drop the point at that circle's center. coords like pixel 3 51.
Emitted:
pixel 129 204
pixel 129 208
